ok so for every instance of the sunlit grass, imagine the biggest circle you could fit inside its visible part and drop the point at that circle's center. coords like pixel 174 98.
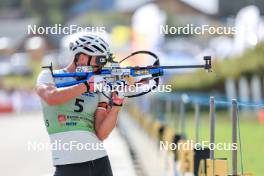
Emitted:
pixel 252 136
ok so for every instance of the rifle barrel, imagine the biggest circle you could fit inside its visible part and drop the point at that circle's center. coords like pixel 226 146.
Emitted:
pixel 183 66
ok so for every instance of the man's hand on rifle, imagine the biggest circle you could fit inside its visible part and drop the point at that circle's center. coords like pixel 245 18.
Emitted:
pixel 119 95
pixel 94 83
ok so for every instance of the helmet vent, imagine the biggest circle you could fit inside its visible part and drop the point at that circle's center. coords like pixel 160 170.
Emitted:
pixel 88 49
pixel 103 46
pixel 96 47
pixel 83 40
pixel 89 37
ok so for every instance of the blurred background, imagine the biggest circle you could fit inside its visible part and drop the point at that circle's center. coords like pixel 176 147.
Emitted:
pixel 238 66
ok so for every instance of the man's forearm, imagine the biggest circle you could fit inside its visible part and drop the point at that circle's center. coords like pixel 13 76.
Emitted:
pixel 108 124
pixel 56 96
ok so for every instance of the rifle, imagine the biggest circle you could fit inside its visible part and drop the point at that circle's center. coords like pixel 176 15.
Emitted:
pixel 115 71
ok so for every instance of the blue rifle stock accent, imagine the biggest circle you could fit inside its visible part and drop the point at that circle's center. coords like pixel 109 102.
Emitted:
pixel 106 71
pixel 150 71
pixel 72 83
pixel 157 71
pixel 76 74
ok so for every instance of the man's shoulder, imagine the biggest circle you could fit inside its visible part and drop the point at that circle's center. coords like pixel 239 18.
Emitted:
pixel 48 72
pixel 45 77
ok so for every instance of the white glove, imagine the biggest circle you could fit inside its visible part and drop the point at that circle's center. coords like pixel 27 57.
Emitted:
pixel 119 95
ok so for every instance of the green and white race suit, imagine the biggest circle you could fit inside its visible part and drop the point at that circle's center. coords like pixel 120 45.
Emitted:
pixel 71 126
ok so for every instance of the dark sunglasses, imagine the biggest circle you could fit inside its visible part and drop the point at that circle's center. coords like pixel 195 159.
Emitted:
pixel 100 60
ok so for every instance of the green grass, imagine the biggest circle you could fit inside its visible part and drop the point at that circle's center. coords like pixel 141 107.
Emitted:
pixel 252 136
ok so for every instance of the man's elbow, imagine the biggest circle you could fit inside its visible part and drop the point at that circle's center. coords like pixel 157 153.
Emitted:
pixel 50 95
pixel 101 136
pixel 50 101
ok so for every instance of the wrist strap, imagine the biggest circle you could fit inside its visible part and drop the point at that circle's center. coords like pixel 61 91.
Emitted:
pixel 111 103
pixel 114 104
pixel 87 86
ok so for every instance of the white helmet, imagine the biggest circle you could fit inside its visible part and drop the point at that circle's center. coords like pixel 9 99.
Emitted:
pixel 91 45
